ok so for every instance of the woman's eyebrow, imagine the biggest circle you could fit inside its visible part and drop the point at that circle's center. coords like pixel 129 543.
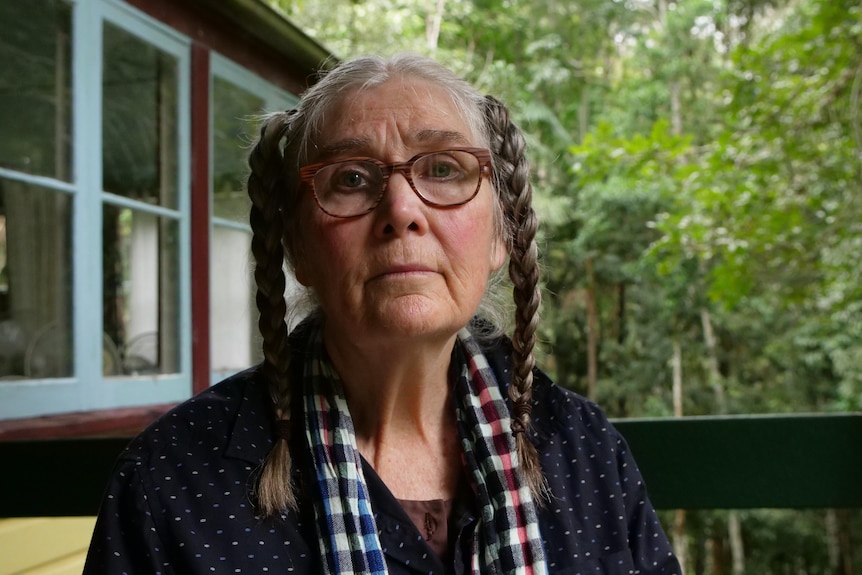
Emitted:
pixel 442 136
pixel 357 146
pixel 341 147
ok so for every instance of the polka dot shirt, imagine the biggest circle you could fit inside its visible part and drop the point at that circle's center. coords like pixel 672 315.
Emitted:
pixel 180 499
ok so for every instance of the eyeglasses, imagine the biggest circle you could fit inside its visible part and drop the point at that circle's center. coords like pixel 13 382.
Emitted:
pixel 355 186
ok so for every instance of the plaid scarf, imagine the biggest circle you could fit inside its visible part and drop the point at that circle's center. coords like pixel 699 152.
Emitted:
pixel 507 539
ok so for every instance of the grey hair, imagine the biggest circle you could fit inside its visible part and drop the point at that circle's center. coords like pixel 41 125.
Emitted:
pixel 370 72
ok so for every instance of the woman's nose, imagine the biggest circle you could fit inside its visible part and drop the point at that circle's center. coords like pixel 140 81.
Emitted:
pixel 401 210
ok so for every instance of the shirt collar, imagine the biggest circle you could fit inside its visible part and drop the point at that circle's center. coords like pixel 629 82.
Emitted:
pixel 250 437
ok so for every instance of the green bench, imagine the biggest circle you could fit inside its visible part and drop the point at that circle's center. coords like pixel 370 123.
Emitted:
pixel 737 462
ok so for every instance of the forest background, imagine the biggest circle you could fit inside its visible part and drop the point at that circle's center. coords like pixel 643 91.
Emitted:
pixel 698 173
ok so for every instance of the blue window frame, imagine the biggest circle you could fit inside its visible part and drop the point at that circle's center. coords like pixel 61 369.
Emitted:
pixel 94 209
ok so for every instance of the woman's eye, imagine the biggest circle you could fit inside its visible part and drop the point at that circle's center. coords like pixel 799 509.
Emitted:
pixel 440 170
pixel 350 179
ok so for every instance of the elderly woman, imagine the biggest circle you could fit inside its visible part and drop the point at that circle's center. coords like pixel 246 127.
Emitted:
pixel 395 430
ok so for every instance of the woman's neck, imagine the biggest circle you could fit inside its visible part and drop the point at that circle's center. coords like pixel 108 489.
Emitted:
pixel 401 405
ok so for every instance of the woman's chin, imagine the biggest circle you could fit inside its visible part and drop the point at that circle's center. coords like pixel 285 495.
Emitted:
pixel 417 316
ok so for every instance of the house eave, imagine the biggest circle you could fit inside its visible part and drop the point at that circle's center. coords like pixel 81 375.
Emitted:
pixel 266 25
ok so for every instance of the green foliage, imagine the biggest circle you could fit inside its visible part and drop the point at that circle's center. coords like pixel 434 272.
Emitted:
pixel 701 155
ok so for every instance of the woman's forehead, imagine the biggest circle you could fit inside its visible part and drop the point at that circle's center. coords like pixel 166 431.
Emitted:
pixel 419 112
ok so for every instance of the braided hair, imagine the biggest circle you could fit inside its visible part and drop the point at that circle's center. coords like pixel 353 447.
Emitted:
pixel 285 143
pixel 515 192
pixel 275 492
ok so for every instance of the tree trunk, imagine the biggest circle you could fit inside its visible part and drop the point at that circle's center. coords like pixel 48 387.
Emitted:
pixel 677 378
pixel 592 332
pixel 718 555
pixel 715 380
pixel 621 314
pixel 833 543
pixel 675 108
pixel 734 522
pixel 433 22
pixel 845 540
pixel 734 534
pixel 680 542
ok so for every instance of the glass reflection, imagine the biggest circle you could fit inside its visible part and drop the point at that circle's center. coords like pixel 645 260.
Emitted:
pixel 233 128
pixel 139 139
pixel 141 290
pixel 36 87
pixel 233 333
pixel 35 282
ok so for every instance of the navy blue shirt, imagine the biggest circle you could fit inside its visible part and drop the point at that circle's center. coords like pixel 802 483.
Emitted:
pixel 180 499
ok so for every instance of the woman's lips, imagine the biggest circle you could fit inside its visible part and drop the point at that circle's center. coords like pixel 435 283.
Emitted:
pixel 405 270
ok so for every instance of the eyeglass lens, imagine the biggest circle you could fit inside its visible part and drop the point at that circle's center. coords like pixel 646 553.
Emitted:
pixel 353 187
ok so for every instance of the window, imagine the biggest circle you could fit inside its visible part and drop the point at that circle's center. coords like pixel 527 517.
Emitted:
pixel 35 198
pixel 239 98
pixel 140 215
pixel 94 185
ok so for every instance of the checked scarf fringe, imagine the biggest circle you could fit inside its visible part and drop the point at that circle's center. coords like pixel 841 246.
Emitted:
pixel 506 541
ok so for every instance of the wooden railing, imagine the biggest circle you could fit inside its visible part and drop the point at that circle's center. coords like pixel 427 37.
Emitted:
pixel 739 462
pixel 748 462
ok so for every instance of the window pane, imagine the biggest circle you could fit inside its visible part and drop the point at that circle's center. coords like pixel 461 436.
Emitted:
pixel 234 340
pixel 35 87
pixel 233 127
pixel 140 120
pixel 35 282
pixel 235 344
pixel 141 290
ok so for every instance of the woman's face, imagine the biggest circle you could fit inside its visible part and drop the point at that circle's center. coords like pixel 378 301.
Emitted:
pixel 405 270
